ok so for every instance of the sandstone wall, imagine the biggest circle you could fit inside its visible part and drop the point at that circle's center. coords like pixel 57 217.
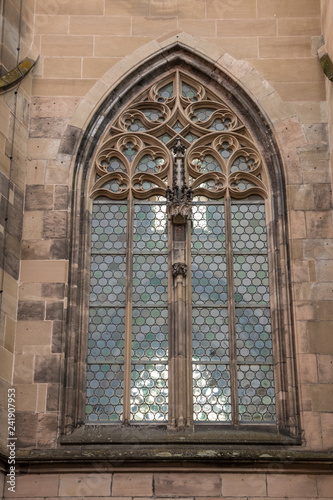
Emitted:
pixel 16 43
pixel 189 486
pixel 270 49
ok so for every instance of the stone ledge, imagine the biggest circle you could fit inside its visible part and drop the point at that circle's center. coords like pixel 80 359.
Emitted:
pixel 210 459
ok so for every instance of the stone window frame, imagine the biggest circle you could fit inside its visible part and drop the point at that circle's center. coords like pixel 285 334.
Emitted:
pixel 287 428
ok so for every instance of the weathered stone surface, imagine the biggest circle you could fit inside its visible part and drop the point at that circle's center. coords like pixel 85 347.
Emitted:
pixel 36 249
pixel 239 485
pixel 52 128
pixel 11 218
pixel 61 198
pixel 312 427
pixel 327 430
pixel 54 310
pixel 39 198
pixel 31 310
pixel 325 368
pixel 85 485
pixel 320 337
pixel 59 249
pixel 69 140
pixel 53 290
pixel 32 225
pixel 40 271
pixel 322 397
pixel 52 398
pixel 322 196
pixel 53 107
pixel 292 485
pixel 31 334
pixel 55 224
pixel 57 336
pixel 318 248
pixel 133 484
pixel 26 424
pixel 174 484
pixel 32 486
pixel 319 224
pixel 325 486
pixel 23 370
pixel 47 369
pixel 47 430
pixel 57 174
pixel 4 184
pixel 26 397
pixel 12 263
pixel 324 310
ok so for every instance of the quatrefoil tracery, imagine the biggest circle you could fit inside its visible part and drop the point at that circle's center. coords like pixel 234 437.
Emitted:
pixel 136 153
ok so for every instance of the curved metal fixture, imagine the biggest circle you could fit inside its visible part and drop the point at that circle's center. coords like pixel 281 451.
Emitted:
pixel 16 75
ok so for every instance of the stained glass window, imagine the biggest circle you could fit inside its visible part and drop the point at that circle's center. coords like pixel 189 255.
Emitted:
pixel 180 324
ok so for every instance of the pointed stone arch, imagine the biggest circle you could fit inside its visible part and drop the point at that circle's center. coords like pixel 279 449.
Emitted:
pixel 252 98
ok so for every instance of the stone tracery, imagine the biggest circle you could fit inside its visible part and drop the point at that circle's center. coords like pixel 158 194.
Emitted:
pixel 220 156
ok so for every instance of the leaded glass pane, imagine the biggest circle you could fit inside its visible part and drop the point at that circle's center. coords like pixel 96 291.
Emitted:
pixel 115 186
pixel 166 92
pixel 178 127
pixel 109 226
pixel 253 323
pixel 114 165
pixel 106 337
pixel 225 151
pixel 253 333
pixel 202 114
pixel 150 334
pixel 243 184
pixel 129 151
pixel 137 126
pixel 149 392
pixel 209 281
pixel 249 227
pixel 107 281
pixel 211 393
pixel 164 138
pixel 220 124
pixel 210 334
pixel 189 91
pixel 150 228
pixel 152 114
pixel 208 228
pixel 251 279
pixel 149 380
pixel 191 137
pixel 150 279
pixel 241 164
pixel 150 165
pixel 105 384
pixel 208 164
pixel 256 393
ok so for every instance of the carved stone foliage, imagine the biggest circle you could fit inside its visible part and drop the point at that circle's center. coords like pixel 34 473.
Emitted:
pixel 179 268
pixel 137 153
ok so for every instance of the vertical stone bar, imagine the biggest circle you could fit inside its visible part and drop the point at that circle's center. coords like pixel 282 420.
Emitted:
pixel 181 354
pixel 179 210
pixel 128 317
pixel 231 314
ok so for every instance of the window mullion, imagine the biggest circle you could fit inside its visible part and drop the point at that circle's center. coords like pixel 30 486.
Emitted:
pixel 128 316
pixel 231 313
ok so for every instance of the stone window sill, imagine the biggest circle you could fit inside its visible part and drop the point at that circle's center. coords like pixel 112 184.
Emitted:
pixel 201 435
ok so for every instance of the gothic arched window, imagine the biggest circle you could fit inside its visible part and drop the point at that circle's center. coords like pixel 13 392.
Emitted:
pixel 180 323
